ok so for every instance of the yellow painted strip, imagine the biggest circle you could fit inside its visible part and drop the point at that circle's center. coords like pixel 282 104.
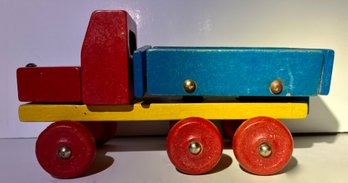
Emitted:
pixel 160 111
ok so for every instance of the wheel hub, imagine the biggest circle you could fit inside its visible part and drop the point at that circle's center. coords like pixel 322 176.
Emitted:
pixel 265 150
pixel 195 148
pixel 64 152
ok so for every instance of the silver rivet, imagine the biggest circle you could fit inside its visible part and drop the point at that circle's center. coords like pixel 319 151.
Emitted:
pixel 265 150
pixel 276 86
pixel 189 85
pixel 195 148
pixel 64 152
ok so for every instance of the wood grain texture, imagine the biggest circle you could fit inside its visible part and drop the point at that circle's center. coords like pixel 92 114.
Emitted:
pixel 161 111
pixel 105 58
pixel 229 71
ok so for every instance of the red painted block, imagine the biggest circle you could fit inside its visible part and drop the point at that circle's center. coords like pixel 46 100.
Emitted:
pixel 49 84
pixel 105 58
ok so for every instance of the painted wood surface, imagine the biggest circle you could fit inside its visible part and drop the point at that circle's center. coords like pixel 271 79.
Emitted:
pixel 238 71
pixel 106 71
pixel 161 111
pixel 49 84
pixel 139 71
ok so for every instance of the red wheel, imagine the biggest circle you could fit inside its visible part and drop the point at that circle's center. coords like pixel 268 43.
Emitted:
pixel 262 145
pixel 229 127
pixel 194 145
pixel 102 131
pixel 65 149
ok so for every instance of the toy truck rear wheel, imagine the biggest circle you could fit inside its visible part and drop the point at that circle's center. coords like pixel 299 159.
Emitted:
pixel 262 145
pixel 65 149
pixel 194 145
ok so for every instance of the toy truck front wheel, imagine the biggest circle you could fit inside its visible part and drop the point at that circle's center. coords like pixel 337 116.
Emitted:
pixel 65 149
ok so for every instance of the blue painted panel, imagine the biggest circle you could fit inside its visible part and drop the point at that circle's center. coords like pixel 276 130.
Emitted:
pixel 235 71
pixel 327 71
pixel 139 70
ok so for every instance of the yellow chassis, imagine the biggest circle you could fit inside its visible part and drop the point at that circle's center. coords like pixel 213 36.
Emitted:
pixel 161 111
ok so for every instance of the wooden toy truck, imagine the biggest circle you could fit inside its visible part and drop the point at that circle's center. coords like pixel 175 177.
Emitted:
pixel 118 82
